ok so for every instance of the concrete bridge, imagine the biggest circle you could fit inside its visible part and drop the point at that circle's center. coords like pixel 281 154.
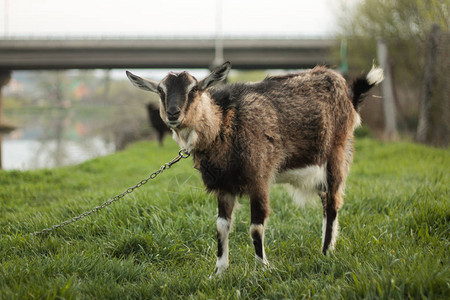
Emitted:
pixel 41 54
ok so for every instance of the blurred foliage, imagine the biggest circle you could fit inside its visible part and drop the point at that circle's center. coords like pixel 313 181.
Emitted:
pixel 405 26
pixel 13 103
pixel 363 132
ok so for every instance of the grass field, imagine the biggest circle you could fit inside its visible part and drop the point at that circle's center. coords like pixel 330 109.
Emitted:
pixel 159 242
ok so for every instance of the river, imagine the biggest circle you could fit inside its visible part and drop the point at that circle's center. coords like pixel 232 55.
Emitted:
pixel 53 138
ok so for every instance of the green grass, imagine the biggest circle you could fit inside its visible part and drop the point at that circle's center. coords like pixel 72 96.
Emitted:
pixel 159 242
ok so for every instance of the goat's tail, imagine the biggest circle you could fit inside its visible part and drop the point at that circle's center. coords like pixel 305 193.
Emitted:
pixel 363 84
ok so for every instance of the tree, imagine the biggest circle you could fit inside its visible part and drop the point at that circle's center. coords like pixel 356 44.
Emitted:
pixel 429 79
pixel 390 120
pixel 405 26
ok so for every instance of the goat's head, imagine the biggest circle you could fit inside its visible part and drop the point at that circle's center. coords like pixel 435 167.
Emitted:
pixel 178 91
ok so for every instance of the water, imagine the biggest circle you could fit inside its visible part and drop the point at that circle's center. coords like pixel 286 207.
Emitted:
pixel 53 138
pixel 26 154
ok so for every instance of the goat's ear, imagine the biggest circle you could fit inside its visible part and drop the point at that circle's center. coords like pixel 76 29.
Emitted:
pixel 216 76
pixel 145 84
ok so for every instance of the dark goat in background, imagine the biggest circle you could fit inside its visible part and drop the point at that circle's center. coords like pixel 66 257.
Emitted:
pixel 156 122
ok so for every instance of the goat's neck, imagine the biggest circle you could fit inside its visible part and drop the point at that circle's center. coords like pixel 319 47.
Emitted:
pixel 201 126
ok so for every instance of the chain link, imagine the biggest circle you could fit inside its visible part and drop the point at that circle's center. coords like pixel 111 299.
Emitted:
pixel 181 154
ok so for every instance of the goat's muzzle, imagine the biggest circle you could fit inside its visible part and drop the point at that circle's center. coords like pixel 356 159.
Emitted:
pixel 173 115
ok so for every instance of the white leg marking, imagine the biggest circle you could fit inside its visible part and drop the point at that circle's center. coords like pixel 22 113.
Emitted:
pixel 223 228
pixel 324 230
pixel 334 233
pixel 260 229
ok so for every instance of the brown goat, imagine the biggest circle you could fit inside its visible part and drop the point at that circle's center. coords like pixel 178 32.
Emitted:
pixel 295 129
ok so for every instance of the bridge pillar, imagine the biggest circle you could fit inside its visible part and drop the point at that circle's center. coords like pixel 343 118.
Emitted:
pixel 5 76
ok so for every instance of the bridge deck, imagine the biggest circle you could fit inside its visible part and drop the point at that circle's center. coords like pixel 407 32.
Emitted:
pixel 162 53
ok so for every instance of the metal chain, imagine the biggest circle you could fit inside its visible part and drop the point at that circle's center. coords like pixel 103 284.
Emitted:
pixel 181 154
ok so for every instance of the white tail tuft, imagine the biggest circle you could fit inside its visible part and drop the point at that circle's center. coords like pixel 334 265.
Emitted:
pixel 357 121
pixel 375 75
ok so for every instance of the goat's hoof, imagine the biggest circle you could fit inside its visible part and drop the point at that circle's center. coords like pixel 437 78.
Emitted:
pixel 217 274
pixel 262 262
pixel 328 250
pixel 219 271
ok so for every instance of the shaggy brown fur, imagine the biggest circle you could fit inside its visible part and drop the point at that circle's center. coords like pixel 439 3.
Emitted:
pixel 243 137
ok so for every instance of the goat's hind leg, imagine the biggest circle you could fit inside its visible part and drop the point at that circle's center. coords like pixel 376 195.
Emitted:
pixel 330 225
pixel 332 201
pixel 226 204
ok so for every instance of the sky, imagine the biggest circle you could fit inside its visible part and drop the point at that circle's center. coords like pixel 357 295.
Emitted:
pixel 172 18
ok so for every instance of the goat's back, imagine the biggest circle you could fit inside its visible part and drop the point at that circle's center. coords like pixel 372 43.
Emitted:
pixel 301 115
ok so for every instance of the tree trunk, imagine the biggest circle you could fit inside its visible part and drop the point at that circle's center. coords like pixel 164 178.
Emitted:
pixel 5 76
pixel 429 79
pixel 390 121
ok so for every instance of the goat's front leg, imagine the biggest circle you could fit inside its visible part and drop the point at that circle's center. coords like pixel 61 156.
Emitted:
pixel 259 203
pixel 226 205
